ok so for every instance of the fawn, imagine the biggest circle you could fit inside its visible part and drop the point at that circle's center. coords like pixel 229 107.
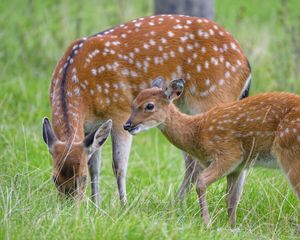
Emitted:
pixel 99 76
pixel 227 138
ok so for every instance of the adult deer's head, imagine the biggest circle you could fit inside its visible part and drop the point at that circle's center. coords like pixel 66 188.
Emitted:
pixel 70 159
pixel 149 108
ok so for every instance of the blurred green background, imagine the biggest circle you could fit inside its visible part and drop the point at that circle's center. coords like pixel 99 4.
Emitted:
pixel 35 34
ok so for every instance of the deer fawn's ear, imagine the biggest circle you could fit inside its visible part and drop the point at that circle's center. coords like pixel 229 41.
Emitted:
pixel 175 89
pixel 159 82
pixel 48 134
pixel 96 139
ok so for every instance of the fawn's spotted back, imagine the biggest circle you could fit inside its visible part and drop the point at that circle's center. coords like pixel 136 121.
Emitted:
pixel 261 117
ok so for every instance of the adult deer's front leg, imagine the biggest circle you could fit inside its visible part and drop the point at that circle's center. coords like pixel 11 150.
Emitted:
pixel 235 183
pixel 94 168
pixel 121 143
pixel 192 171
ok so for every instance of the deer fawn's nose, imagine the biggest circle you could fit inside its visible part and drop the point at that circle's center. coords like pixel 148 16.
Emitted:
pixel 127 126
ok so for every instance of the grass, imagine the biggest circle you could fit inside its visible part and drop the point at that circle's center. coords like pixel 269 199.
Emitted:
pixel 34 34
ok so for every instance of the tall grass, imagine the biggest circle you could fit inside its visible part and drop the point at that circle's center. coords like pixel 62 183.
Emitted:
pixel 34 34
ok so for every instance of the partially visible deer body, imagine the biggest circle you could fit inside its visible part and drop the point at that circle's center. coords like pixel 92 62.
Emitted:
pixel 227 138
pixel 99 76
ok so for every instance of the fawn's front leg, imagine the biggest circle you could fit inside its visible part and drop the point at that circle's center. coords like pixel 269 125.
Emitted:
pixel 217 169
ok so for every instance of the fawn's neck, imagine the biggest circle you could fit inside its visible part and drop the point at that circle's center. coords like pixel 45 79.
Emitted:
pixel 182 130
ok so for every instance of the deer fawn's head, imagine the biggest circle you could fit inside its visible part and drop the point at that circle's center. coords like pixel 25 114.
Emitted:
pixel 149 108
pixel 71 159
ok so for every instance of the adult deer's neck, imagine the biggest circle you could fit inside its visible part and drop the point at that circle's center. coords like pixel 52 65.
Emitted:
pixel 66 97
pixel 71 130
pixel 181 129
pixel 67 115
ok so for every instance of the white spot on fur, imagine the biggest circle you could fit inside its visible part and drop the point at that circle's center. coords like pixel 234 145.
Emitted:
pixel 99 88
pixel 94 71
pixel 125 72
pixel 77 91
pixel 233 46
pixel 146 46
pixel 183 39
pixel 204 94
pixel 180 49
pixel 152 42
pixel 171 34
pixel 133 74
pixel 172 54
pixel 206 64
pixel 198 66
pixel 190 47
pixel 227 74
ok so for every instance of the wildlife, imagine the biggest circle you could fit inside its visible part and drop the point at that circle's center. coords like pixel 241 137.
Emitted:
pixel 71 158
pixel 98 77
pixel 226 139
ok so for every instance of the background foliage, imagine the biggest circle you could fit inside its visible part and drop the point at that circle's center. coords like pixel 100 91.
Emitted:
pixel 33 36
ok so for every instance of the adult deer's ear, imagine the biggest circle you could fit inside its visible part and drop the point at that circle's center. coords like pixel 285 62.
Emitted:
pixel 175 89
pixel 159 82
pixel 48 134
pixel 97 138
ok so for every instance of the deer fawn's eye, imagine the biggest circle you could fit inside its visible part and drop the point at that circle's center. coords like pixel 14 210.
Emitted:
pixel 149 107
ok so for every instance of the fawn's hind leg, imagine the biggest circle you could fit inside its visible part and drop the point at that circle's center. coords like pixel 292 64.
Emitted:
pixel 287 148
pixel 289 160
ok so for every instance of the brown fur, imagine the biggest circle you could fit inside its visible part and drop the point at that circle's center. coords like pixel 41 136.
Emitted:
pixel 70 164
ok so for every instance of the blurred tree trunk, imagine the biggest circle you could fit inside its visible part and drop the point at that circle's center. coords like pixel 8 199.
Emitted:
pixel 199 8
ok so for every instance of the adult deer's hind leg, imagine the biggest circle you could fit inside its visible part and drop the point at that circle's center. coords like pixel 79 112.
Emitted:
pixel 192 171
pixel 235 183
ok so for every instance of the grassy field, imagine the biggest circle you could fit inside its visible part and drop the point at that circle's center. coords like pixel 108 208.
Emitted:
pixel 34 34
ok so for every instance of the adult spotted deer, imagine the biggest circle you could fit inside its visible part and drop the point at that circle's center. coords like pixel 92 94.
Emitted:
pixel 99 76
pixel 228 138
